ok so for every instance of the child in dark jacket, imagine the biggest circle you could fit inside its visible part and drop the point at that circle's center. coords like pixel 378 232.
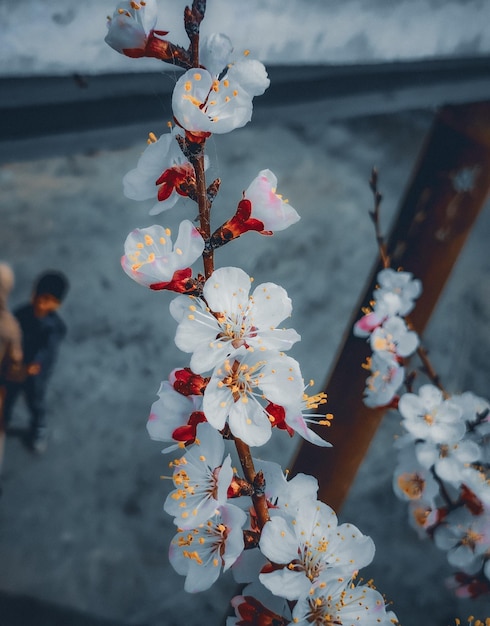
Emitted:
pixel 42 332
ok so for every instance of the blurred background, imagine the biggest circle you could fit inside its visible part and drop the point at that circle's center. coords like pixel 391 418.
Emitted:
pixel 83 538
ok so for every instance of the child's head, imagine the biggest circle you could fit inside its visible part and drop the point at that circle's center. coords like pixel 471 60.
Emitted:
pixel 49 291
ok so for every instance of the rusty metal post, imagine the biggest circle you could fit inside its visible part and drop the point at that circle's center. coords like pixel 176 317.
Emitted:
pixel 448 188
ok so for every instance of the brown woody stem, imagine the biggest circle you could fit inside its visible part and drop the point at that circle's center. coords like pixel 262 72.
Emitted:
pixel 204 212
pixel 192 19
pixel 430 370
pixel 255 479
pixel 377 197
pixel 385 260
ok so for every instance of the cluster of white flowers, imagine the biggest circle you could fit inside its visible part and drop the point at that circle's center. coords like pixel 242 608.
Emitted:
pixel 443 457
pixel 390 339
pixel 443 473
pixel 299 564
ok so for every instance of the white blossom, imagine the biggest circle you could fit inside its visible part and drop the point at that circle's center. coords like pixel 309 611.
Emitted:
pixel 339 601
pixel 200 554
pixel 153 260
pixel 229 320
pixel 239 390
pixel 428 416
pixel 400 288
pixel 201 478
pixel 466 538
pixel 312 548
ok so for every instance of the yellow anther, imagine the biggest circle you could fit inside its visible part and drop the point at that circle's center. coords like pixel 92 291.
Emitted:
pixel 197 76
pixel 178 251
pixel 187 85
pixel 148 240
pixel 152 138
pixel 195 101
pixel 162 240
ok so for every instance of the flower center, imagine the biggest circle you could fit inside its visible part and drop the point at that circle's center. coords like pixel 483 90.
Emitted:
pixel 471 539
pixel 241 378
pixel 412 485
pixel 421 515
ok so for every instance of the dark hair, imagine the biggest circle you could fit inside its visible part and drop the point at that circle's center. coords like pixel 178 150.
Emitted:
pixel 52 282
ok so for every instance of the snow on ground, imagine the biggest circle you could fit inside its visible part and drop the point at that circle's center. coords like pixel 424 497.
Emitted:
pixel 53 37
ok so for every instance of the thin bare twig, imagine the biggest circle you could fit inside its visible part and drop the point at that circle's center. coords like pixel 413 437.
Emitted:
pixel 374 215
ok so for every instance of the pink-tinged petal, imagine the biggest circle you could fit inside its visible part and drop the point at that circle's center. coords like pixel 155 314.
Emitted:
pixel 150 258
pixel 295 419
pixel 125 34
pixel 365 326
pixel 268 206
pixel 130 25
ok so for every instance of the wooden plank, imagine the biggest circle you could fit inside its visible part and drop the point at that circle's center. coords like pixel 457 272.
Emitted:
pixel 448 189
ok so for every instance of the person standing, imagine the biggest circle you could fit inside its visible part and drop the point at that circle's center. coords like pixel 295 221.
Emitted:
pixel 10 344
pixel 42 333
